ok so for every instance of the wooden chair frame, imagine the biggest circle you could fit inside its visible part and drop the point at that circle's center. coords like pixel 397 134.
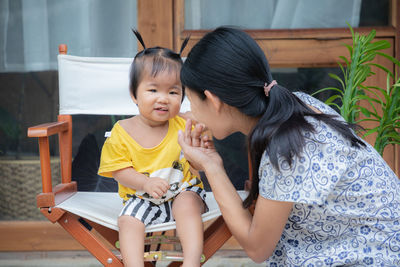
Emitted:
pixel 214 236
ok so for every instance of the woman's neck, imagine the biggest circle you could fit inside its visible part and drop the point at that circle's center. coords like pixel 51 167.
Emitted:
pixel 249 125
pixel 244 123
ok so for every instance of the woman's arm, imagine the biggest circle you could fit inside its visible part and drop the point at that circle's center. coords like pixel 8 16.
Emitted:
pixel 258 235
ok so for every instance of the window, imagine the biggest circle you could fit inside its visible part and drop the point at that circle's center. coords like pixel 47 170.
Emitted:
pixel 285 14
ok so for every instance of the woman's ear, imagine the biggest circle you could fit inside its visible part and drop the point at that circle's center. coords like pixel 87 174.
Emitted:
pixel 214 100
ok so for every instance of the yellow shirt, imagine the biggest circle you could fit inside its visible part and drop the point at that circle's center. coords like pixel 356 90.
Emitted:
pixel 165 161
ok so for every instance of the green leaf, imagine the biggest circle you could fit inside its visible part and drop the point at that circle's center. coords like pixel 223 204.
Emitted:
pixel 394 60
pixel 393 143
pixel 378 96
pixel 367 98
pixel 335 105
pixel 374 130
pixel 382 68
pixel 370 36
pixel 379 45
pixel 350 48
pixel 331 99
pixel 351 29
pixel 360 76
pixel 334 76
pixel 367 119
pixel 345 60
pixel 327 89
pixel 343 70
pixel 392 135
pixel 367 58
pixel 365 111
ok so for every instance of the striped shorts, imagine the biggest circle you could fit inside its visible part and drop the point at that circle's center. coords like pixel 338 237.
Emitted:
pixel 150 213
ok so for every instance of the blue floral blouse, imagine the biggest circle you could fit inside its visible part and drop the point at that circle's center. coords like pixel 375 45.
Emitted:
pixel 346 207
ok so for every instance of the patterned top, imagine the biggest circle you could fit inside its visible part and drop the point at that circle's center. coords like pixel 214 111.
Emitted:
pixel 346 202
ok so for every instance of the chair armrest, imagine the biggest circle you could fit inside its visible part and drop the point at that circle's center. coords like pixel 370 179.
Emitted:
pixel 47 129
pixel 49 196
pixel 64 130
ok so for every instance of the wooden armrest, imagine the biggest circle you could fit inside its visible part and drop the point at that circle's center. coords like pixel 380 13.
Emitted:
pixel 64 129
pixel 47 129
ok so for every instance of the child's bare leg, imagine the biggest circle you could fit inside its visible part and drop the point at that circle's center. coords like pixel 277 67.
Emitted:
pixel 187 209
pixel 131 240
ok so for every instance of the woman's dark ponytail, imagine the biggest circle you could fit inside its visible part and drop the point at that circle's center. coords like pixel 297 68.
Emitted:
pixel 280 133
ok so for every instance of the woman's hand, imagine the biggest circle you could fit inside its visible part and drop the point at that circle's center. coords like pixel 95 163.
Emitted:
pixel 198 147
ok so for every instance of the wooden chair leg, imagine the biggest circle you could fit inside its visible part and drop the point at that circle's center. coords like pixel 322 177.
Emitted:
pixel 71 224
pixel 215 237
pixel 109 234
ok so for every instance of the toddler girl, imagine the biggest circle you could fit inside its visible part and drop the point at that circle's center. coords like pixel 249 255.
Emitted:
pixel 143 155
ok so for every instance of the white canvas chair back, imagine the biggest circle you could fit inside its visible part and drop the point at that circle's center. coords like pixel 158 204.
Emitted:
pixel 96 85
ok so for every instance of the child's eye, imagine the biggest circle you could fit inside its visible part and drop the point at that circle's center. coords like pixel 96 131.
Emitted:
pixel 152 90
pixel 173 92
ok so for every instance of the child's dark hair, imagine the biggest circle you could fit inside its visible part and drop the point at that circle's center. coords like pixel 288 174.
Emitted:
pixel 230 64
pixel 158 59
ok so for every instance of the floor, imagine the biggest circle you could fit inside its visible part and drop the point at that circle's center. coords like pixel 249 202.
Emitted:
pixel 85 259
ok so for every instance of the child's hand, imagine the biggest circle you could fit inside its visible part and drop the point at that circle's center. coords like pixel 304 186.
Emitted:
pixel 156 187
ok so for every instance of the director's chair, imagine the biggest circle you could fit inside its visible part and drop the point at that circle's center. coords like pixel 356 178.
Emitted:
pixel 100 86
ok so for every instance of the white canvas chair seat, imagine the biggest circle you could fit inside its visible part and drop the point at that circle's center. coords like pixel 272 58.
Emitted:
pixel 104 208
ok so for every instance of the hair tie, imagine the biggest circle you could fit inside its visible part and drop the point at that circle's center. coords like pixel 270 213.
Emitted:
pixel 267 87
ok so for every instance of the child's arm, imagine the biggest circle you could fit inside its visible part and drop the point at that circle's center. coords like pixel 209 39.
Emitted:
pixel 154 186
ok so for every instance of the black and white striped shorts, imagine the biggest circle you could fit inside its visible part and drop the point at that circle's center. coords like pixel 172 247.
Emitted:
pixel 150 213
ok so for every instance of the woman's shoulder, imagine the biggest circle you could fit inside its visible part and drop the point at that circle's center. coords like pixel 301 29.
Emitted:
pixel 316 103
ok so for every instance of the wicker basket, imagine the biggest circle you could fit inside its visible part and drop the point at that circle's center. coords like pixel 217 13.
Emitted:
pixel 20 182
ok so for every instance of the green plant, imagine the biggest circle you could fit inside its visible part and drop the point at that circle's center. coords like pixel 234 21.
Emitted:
pixel 389 121
pixel 357 68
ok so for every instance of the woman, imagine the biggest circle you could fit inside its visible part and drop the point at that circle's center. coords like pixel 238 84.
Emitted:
pixel 323 196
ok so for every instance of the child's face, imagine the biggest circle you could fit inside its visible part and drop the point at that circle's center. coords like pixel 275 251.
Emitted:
pixel 159 98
